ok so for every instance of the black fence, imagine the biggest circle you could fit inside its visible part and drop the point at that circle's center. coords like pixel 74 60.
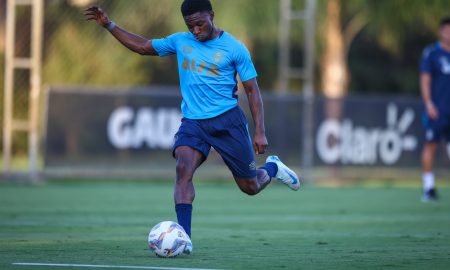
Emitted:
pixel 129 132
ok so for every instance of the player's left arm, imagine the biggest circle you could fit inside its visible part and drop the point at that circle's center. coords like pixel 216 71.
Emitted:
pixel 257 109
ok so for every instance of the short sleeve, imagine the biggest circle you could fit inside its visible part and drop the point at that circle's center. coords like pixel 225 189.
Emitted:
pixel 165 46
pixel 425 62
pixel 244 64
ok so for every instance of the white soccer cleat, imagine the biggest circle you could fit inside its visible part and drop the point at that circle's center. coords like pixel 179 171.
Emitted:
pixel 284 174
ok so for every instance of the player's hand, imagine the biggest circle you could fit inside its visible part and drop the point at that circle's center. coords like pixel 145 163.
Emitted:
pixel 97 14
pixel 260 144
pixel 431 110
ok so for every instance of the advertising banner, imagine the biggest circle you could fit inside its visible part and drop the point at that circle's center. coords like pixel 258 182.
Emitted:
pixel 369 131
pixel 109 129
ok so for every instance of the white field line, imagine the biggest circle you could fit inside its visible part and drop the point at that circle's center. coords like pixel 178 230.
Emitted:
pixel 106 266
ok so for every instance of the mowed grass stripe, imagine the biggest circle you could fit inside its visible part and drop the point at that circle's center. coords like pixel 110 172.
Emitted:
pixel 316 228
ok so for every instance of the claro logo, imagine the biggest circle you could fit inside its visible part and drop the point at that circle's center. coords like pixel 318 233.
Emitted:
pixel 130 128
pixel 349 144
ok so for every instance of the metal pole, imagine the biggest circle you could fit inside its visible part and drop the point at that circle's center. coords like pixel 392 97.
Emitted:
pixel 36 55
pixel 309 48
pixel 9 79
pixel 308 92
pixel 284 48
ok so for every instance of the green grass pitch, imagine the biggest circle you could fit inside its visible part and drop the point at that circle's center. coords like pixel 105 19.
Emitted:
pixel 107 222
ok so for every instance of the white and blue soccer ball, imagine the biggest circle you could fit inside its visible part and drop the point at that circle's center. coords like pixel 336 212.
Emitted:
pixel 168 239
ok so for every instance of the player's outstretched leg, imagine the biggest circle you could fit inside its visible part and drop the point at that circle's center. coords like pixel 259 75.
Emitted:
pixel 284 174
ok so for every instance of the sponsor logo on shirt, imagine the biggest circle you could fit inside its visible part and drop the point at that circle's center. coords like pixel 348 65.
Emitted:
pixel 202 67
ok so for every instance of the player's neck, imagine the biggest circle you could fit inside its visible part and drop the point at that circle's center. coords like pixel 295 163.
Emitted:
pixel 445 46
pixel 215 32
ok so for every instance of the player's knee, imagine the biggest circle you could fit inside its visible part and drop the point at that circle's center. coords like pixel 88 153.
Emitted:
pixel 251 192
pixel 185 171
pixel 249 189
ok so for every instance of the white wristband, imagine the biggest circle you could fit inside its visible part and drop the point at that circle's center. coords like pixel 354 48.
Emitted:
pixel 110 26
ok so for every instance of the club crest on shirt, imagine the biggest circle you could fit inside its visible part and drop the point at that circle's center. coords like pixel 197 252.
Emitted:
pixel 445 65
pixel 217 57
pixel 187 49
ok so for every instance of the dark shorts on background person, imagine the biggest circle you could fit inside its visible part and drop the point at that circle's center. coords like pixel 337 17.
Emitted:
pixel 438 129
pixel 227 133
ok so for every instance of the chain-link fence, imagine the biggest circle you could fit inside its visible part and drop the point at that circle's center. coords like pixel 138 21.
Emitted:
pixel 79 52
pixel 20 102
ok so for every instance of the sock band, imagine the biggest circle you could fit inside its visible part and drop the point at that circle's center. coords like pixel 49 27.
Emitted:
pixel 271 168
pixel 184 216
pixel 428 180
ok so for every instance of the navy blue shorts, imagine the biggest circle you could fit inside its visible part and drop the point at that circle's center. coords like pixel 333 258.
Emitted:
pixel 436 130
pixel 227 133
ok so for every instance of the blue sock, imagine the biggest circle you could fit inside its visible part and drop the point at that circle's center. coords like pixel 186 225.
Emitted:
pixel 271 168
pixel 184 215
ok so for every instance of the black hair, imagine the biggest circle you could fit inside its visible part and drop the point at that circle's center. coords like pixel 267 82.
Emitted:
pixel 189 7
pixel 445 21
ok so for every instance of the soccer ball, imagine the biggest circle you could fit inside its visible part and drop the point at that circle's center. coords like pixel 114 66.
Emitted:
pixel 168 239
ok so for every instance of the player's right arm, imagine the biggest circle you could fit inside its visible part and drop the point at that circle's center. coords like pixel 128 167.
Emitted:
pixel 132 41
pixel 425 88
pixel 426 67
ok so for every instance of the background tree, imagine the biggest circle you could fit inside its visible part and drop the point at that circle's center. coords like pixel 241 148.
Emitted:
pixel 2 25
pixel 78 52
pixel 363 46
pixel 374 45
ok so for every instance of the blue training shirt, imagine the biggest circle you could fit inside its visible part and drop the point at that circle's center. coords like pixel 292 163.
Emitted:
pixel 436 62
pixel 207 71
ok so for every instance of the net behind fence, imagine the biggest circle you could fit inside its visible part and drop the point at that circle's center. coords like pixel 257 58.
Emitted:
pixel 79 52
pixel 354 138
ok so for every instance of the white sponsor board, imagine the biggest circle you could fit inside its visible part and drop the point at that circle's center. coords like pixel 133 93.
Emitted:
pixel 136 128
pixel 344 142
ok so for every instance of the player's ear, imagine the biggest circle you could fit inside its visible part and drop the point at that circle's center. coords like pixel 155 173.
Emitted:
pixel 211 15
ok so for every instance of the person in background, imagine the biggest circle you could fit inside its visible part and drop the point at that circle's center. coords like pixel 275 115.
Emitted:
pixel 435 90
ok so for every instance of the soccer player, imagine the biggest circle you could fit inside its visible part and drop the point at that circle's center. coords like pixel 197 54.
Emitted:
pixel 435 88
pixel 208 60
